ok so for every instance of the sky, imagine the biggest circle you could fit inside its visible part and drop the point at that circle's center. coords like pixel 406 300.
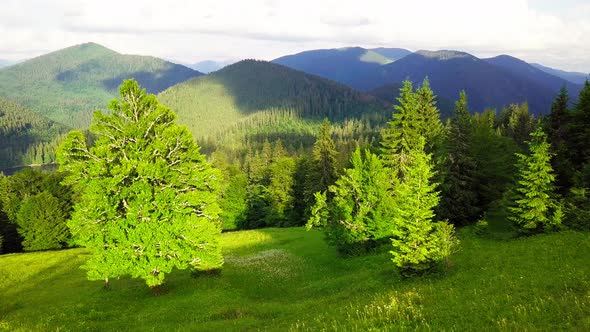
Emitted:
pixel 554 33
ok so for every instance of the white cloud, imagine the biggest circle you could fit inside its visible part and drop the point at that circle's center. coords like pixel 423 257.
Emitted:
pixel 221 29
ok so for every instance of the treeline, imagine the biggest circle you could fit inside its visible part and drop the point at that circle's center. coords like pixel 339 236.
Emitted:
pixel 410 186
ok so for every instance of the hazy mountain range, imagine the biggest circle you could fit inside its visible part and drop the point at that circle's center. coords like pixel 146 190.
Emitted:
pixel 44 96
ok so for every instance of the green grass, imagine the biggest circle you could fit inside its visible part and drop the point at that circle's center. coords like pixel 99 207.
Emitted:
pixel 288 279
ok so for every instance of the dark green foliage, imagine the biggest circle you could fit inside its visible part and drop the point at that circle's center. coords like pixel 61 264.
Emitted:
pixel 324 159
pixel 279 192
pixel 67 85
pixel 535 208
pixel 495 158
pixel 25 137
pixel 459 191
pixel 416 116
pixel 360 211
pixel 36 206
pixel 243 104
pixel 418 243
pixel 148 197
pixel 577 209
pixel 558 130
pixel 517 123
pixel 42 222
pixel 579 137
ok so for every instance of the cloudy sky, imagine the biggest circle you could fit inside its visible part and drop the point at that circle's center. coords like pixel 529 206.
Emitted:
pixel 555 33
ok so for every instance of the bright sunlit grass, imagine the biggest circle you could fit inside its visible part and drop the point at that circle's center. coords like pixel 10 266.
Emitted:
pixel 289 279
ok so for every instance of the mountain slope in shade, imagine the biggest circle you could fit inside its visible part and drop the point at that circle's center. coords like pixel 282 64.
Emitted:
pixel 26 137
pixel 250 91
pixel 525 70
pixel 486 84
pixel 574 77
pixel 352 66
pixel 67 85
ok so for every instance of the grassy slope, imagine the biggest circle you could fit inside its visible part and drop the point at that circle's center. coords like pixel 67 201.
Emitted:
pixel 67 85
pixel 281 279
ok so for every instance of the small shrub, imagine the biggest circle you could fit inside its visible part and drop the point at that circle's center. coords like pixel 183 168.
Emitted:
pixel 482 228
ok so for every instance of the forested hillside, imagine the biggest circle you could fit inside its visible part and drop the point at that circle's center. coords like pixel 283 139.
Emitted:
pixel 255 100
pixel 26 137
pixel 67 85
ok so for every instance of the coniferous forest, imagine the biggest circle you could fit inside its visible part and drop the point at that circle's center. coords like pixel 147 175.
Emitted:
pixel 268 198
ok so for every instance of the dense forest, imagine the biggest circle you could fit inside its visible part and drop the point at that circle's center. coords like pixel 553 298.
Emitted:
pixel 476 164
pixel 25 137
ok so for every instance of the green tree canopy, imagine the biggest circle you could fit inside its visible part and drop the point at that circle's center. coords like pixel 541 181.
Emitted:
pixel 418 242
pixel 535 208
pixel 148 198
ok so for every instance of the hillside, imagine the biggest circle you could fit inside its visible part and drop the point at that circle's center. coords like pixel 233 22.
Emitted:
pixel 26 137
pixel 289 279
pixel 253 97
pixel 574 77
pixel 67 85
pixel 486 84
pixel 352 66
pixel 522 69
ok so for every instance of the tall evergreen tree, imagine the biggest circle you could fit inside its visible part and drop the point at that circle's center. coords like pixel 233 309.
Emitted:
pixel 416 116
pixel 459 192
pixel 360 212
pixel 324 158
pixel 418 242
pixel 535 209
pixel 557 127
pixel 149 198
pixel 580 136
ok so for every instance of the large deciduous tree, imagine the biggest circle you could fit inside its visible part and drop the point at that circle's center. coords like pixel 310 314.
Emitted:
pixel 148 197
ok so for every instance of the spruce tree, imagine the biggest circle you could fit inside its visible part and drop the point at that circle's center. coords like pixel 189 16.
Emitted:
pixel 324 158
pixel 459 193
pixel 401 132
pixel 360 212
pixel 416 116
pixel 419 243
pixel 557 127
pixel 535 209
pixel 148 199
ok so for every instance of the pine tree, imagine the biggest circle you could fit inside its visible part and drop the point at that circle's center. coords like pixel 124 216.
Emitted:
pixel 580 136
pixel 360 212
pixel 416 116
pixel 419 243
pixel 557 127
pixel 148 198
pixel 325 159
pixel 535 209
pixel 459 196
pixel 41 222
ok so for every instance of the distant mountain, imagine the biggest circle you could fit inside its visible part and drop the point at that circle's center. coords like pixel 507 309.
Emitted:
pixel 574 77
pixel 253 96
pixel 353 66
pixel 209 66
pixel 487 84
pixel 527 71
pixel 26 137
pixel 67 85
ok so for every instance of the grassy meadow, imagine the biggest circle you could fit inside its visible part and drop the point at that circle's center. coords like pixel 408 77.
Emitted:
pixel 290 280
